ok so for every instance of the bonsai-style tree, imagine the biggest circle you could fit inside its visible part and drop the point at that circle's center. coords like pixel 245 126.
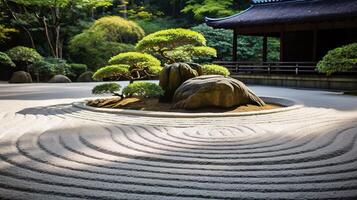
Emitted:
pixel 130 66
pixel 6 60
pixel 341 59
pixel 107 88
pixel 24 56
pixel 176 45
pixel 138 89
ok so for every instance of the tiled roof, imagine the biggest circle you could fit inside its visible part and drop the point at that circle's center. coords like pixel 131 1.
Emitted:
pixel 265 12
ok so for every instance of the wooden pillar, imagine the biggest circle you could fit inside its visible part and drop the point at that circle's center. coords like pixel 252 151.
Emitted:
pixel 265 48
pixel 282 40
pixel 235 46
pixel 314 48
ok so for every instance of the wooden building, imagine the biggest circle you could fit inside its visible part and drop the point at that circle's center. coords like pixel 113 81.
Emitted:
pixel 307 28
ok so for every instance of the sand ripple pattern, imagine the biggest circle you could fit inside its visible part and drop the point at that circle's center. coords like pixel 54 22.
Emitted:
pixel 62 152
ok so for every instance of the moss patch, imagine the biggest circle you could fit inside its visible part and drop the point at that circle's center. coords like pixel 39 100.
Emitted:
pixel 155 105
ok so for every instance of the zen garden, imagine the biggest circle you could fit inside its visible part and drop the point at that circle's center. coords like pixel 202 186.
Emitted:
pixel 178 99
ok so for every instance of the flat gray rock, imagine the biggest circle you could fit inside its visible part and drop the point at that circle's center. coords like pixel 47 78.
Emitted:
pixel 214 91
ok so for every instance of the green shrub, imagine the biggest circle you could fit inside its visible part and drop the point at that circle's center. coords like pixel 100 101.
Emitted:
pixel 215 70
pixel 6 60
pixel 92 49
pixel 78 69
pixel 107 88
pixel 108 36
pixel 341 59
pixel 117 29
pixel 24 55
pixel 143 89
pixel 176 45
pixel 49 67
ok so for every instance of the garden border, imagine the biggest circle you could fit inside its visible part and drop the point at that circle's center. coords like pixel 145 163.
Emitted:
pixel 288 103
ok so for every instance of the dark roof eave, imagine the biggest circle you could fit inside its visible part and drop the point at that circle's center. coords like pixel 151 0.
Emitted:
pixel 241 19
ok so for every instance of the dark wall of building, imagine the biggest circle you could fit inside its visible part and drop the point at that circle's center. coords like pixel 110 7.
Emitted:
pixel 333 38
pixel 298 46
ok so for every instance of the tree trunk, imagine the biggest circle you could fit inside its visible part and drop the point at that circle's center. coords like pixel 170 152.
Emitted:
pixel 48 37
pixel 58 28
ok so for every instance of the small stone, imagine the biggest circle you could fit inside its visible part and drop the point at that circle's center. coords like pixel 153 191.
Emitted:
pixel 20 77
pixel 60 79
pixel 86 77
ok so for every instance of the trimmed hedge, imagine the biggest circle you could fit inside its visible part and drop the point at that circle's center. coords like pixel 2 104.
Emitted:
pixel 215 70
pixel 24 55
pixel 341 59
pixel 143 89
pixel 6 60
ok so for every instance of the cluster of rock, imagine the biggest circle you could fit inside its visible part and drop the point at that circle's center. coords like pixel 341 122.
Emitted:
pixel 186 88
pixel 172 77
pixel 25 77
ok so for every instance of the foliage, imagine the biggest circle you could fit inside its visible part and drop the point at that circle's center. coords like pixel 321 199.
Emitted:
pixel 117 29
pixel 106 88
pixel 137 61
pixel 215 70
pixel 112 72
pixel 341 59
pixel 92 49
pixel 78 69
pixel 217 38
pixel 250 47
pixel 6 60
pixel 143 89
pixel 160 23
pixel 212 8
pixel 49 19
pixel 130 66
pixel 273 49
pixel 49 67
pixel 24 55
pixel 176 45
pixel 108 36
pixel 4 32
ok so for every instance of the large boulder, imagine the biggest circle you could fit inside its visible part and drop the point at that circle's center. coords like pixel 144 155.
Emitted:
pixel 20 77
pixel 214 91
pixel 60 79
pixel 86 77
pixel 172 76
